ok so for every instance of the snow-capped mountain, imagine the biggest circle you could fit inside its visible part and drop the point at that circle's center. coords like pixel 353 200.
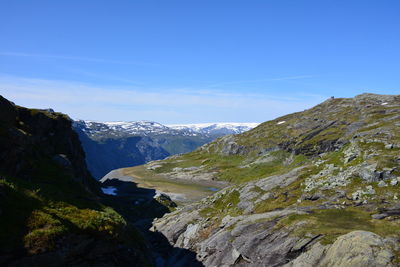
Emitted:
pixel 121 129
pixel 113 145
pixel 117 129
pixel 215 128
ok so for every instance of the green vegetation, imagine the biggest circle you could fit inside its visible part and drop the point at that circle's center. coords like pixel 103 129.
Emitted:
pixel 343 144
pixel 41 112
pixel 318 131
pixel 223 205
pixel 189 160
pixel 332 223
pixel 239 174
pixel 235 168
pixel 287 196
pixel 182 144
pixel 310 132
pixel 49 205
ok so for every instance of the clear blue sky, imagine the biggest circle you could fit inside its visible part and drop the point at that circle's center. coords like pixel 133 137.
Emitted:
pixel 195 61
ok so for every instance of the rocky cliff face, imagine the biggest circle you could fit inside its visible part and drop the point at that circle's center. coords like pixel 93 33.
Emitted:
pixel 29 136
pixel 314 188
pixel 108 154
pixel 51 210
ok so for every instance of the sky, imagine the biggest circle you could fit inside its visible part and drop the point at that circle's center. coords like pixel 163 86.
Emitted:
pixel 195 61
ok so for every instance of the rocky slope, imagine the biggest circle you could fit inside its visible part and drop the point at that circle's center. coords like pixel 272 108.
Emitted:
pixel 113 145
pixel 313 188
pixel 51 209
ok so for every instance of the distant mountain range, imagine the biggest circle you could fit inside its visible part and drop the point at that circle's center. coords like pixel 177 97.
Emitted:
pixel 112 145
pixel 211 129
pixel 117 129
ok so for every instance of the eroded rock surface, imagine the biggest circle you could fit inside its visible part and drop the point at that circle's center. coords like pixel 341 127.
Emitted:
pixel 357 248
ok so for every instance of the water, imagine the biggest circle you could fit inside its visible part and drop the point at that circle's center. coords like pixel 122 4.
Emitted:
pixel 109 190
pixel 214 189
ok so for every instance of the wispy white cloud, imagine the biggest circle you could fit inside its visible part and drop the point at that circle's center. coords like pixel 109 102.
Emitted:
pixel 298 77
pixel 166 106
pixel 104 76
pixel 285 78
pixel 74 58
pixel 224 93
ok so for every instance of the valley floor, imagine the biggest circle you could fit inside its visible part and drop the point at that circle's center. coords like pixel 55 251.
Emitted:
pixel 181 191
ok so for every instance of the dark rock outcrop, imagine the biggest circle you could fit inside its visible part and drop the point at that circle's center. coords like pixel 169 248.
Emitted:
pixel 51 210
pixel 28 136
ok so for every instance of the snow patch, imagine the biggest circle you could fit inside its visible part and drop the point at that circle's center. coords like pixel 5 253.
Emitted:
pixel 385 103
pixel 281 122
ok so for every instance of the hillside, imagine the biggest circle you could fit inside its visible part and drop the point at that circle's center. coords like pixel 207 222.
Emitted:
pixel 313 188
pixel 113 145
pixel 51 209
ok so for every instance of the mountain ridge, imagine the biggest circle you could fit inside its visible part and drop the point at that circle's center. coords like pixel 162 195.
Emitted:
pixel 313 188
pixel 98 130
